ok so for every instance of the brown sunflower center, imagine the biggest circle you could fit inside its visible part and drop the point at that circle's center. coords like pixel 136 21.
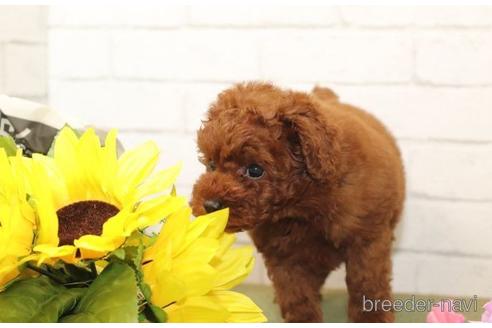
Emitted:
pixel 83 218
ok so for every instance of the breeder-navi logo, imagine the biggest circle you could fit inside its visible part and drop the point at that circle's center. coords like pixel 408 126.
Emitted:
pixel 414 304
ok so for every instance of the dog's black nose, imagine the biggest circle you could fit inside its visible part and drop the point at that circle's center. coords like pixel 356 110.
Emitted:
pixel 212 205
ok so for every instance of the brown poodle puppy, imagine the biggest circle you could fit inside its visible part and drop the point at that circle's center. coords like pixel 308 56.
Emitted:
pixel 315 182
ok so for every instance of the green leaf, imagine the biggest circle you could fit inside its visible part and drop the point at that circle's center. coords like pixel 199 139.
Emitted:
pixel 134 257
pixel 112 297
pixel 142 318
pixel 146 291
pixel 37 300
pixel 139 237
pixel 119 254
pixel 155 314
pixel 8 143
pixel 77 274
pixel 58 306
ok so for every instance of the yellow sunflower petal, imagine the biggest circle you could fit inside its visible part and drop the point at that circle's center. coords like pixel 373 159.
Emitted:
pixel 218 222
pixel 224 306
pixel 188 275
pixel 46 251
pixel 66 158
pixel 8 183
pixel 225 242
pixel 48 225
pixel 89 159
pixel 115 226
pixel 45 173
pixel 8 270
pixel 109 166
pixel 21 235
pixel 198 309
pixel 172 232
pixel 233 267
pixel 167 289
pixel 240 307
pixel 17 220
pixel 205 226
pixel 93 247
pixel 110 147
pixel 152 211
pixel 154 267
pixel 161 181
pixel 202 250
pixel 133 167
pixel 188 279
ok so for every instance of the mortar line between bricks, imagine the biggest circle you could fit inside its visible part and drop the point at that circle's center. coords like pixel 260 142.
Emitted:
pixel 418 141
pixel 16 42
pixel 420 195
pixel 31 97
pixel 462 142
pixel 412 198
pixel 335 27
pixel 424 83
pixel 113 28
pixel 205 81
pixel 137 79
pixel 409 83
pixel 442 253
pixel 180 133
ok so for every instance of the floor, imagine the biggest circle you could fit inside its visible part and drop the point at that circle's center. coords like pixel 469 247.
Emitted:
pixel 334 305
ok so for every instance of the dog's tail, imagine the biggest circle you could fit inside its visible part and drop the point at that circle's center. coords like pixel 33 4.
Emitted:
pixel 325 94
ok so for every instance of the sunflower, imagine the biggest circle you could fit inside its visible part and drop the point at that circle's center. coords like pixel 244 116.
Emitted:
pixel 88 201
pixel 17 220
pixel 191 266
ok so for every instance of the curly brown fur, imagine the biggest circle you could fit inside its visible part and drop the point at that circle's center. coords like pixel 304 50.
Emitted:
pixel 332 191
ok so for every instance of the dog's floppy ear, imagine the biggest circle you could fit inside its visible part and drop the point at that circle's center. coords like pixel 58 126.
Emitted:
pixel 316 139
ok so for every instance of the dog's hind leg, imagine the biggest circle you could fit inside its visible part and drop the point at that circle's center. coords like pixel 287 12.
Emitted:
pixel 368 278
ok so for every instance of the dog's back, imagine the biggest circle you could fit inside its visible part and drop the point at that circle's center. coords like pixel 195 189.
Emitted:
pixel 376 149
pixel 328 96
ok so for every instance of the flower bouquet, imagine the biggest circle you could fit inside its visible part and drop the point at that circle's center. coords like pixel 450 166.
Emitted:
pixel 73 246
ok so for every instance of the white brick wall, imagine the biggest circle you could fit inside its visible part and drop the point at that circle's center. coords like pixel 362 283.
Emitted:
pixel 23 56
pixel 266 16
pixel 343 56
pixel 460 58
pixel 425 71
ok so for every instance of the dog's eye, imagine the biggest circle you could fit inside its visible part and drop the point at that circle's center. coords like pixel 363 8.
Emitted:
pixel 211 166
pixel 254 171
